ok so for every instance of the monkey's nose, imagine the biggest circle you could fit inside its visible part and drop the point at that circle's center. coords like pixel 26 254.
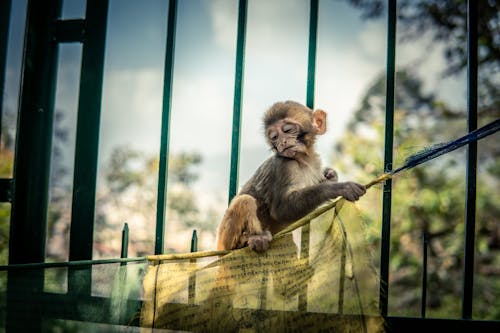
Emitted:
pixel 282 145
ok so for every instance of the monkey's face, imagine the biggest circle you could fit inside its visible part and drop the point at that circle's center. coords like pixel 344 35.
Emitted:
pixel 286 138
pixel 291 129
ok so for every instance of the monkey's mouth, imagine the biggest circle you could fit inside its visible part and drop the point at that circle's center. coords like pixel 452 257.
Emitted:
pixel 288 152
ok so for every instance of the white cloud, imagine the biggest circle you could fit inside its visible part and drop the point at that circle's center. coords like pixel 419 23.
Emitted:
pixel 341 82
pixel 131 109
pixel 201 111
pixel 201 114
pixel 426 57
pixel 223 15
pixel 276 31
pixel 373 39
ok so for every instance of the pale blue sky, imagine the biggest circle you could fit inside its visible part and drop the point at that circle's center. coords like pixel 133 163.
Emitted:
pixel 351 53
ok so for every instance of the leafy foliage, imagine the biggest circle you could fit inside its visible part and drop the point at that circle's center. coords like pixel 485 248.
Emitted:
pixel 429 198
pixel 130 195
pixel 446 22
pixel 6 158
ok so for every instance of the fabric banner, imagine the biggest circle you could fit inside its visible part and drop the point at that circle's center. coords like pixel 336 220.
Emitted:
pixel 318 275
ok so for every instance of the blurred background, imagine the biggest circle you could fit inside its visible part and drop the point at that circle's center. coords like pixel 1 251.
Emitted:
pixel 431 100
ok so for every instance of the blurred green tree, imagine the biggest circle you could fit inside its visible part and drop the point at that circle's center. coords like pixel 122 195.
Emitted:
pixel 131 188
pixel 429 198
pixel 6 171
pixel 6 158
pixel 446 22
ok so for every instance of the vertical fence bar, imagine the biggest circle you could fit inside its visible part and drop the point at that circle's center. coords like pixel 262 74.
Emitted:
pixel 343 262
pixel 192 276
pixel 471 172
pixel 311 75
pixel 165 127
pixel 389 133
pixel 238 96
pixel 263 291
pixel 32 166
pixel 194 241
pixel 304 254
pixel 124 250
pixel 311 65
pixel 425 243
pixel 34 135
pixel 87 144
pixel 122 273
pixel 4 37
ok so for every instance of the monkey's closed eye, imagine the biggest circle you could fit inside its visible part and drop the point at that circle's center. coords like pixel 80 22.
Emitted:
pixel 273 136
pixel 288 127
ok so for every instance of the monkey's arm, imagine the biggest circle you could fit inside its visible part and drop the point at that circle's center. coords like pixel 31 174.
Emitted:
pixel 296 204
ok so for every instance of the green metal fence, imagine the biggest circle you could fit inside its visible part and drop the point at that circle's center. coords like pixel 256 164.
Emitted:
pixel 28 190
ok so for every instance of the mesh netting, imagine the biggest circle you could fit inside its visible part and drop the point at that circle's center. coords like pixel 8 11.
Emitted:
pixel 332 288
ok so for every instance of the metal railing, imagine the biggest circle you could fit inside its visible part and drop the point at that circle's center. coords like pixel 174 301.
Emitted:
pixel 29 200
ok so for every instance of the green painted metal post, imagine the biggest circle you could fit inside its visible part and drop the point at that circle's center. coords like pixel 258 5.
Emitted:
pixel 471 171
pixel 34 136
pixel 343 262
pixel 238 97
pixel 194 241
pixel 123 274
pixel 32 166
pixel 311 66
pixel 425 246
pixel 124 250
pixel 311 76
pixel 5 190
pixel 68 31
pixel 87 144
pixel 192 277
pixel 165 128
pixel 388 156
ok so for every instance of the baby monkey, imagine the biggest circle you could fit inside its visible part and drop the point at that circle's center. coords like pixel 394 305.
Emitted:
pixel 288 185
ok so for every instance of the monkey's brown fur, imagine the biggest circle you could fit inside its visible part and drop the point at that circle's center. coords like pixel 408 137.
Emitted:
pixel 287 185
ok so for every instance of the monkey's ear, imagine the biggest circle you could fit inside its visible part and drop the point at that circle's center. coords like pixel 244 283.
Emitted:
pixel 319 121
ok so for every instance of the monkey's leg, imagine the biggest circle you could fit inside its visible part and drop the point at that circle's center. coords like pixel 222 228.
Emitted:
pixel 240 226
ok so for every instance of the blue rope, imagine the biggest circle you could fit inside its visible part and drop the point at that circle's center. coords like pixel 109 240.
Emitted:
pixel 446 147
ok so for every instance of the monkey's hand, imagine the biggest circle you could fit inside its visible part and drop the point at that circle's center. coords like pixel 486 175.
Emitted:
pixel 260 243
pixel 351 191
pixel 330 175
